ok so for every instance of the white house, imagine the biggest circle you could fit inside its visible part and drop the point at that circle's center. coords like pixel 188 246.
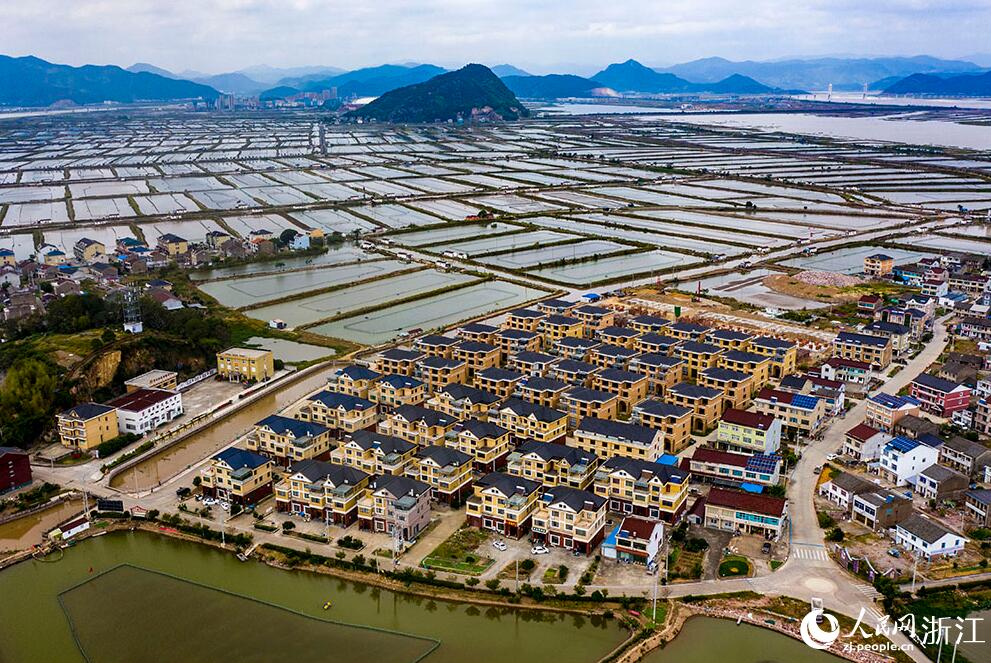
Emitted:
pixel 143 410
pixel 927 538
pixel 842 487
pixel 902 459
pixel 864 443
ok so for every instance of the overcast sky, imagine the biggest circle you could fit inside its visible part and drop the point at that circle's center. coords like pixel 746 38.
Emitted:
pixel 544 36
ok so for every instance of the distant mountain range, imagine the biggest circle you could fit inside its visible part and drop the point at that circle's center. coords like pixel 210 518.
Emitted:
pixel 555 86
pixel 818 73
pixel 31 81
pixel 35 82
pixel 367 82
pixel 968 85
pixel 445 97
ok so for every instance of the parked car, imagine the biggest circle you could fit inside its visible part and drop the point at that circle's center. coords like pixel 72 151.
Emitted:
pixel 766 548
pixel 894 552
pixel 183 492
pixel 539 550
pixel 831 456
pixel 500 545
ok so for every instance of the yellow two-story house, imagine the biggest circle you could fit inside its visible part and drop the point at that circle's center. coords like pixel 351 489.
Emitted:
pixel 642 488
pixel 286 440
pixel 446 470
pixel 87 426
pixel 374 453
pixel 322 491
pixel 503 503
pixel 237 476
pixel 487 443
pixel 553 464
pixel 528 421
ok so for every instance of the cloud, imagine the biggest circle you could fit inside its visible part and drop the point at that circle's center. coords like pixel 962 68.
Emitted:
pixel 220 35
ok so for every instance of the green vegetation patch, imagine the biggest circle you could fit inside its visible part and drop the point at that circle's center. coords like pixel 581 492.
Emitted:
pixel 215 625
pixel 733 566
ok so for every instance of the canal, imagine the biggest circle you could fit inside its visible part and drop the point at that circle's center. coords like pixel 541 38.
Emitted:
pixel 162 466
pixel 33 627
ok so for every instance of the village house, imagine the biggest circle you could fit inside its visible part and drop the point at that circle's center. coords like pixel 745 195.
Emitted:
pixel 705 403
pixel 800 414
pixel 286 440
pixel 396 505
pixel 570 518
pixel 939 483
pixel 237 476
pixel 542 391
pixel 580 402
pixel 643 488
pixel 698 357
pixel 437 372
pixel 653 342
pixel 842 487
pixel 477 355
pixel 499 381
pixel 536 364
pixel 435 345
pixel 647 324
pixel 737 387
pixel 629 387
pixel 783 354
pixel 938 396
pixel 863 443
pixel 324 491
pixel 867 348
pixel 87 425
pixel 397 361
pixel 530 421
pixel 143 410
pixel 419 425
pixel 460 401
pixel 884 410
pixel 732 469
pixel 446 470
pixel 964 456
pixel 245 364
pixel 503 503
pixel 607 438
pixel 524 319
pixel 611 356
pixel 748 432
pixel 880 510
pixel 674 421
pixel 553 464
pixel 748 513
pixel 487 443
pixel 574 372
pixel 374 453
pixel 574 347
pixel 903 459
pixel 927 538
pixel 340 412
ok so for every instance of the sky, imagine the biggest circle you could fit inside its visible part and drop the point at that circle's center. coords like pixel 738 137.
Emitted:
pixel 576 36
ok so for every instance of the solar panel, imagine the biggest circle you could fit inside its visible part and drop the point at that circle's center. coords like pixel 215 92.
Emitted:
pixel 903 444
pixel 763 464
pixel 804 401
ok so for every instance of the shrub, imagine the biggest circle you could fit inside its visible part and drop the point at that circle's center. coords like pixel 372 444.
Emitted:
pixel 288 525
pixel 492 584
pixel 114 445
pixel 471 582
pixel 825 520
pixel 562 572
pixel 528 564
pixel 696 544
pixel 835 534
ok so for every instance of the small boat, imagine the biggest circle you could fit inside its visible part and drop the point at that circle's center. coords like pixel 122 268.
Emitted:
pixel 739 619
pixel 326 606
pixel 242 557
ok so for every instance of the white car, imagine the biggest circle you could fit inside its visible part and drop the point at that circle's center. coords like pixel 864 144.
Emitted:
pixel 500 545
pixel 539 550
pixel 831 456
pixel 225 506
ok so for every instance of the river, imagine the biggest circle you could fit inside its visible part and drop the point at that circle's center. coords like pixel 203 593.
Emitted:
pixel 33 627
pixel 162 466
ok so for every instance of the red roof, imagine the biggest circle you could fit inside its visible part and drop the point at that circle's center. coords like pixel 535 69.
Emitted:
pixel 748 419
pixel 862 432
pixel 140 399
pixel 638 527
pixel 734 499
pixel 720 457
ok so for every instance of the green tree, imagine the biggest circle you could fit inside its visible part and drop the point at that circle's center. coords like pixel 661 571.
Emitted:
pixel 27 401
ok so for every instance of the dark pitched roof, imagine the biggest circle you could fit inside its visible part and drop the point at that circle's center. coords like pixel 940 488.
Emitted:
pixel 87 410
pixel 399 486
pixel 552 451
pixel 334 400
pixel 288 426
pixel 935 383
pixel 338 475
pixel 399 354
pixel 387 443
pixel 358 372
pixel 508 485
pixel 444 455
pixel 617 429
pixel 689 390
pixel 400 381
pixel 576 499
pixel 586 395
pixel 483 429
pixel 526 409
pixel 461 392
pixel 927 530
pixel 641 469
pixel 426 415
pixel 238 458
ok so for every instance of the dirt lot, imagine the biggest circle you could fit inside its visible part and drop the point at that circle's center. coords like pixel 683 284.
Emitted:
pixel 788 285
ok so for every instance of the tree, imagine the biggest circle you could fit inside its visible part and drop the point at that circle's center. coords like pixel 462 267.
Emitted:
pixel 777 490
pixel 27 401
pixel 108 335
pixel 288 525
pixel 835 534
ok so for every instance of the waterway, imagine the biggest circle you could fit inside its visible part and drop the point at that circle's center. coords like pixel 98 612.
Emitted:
pixel 706 640
pixel 34 628
pixel 162 466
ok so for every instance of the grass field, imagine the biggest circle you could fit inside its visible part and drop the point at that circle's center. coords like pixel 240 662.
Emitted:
pixel 458 553
pixel 734 565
